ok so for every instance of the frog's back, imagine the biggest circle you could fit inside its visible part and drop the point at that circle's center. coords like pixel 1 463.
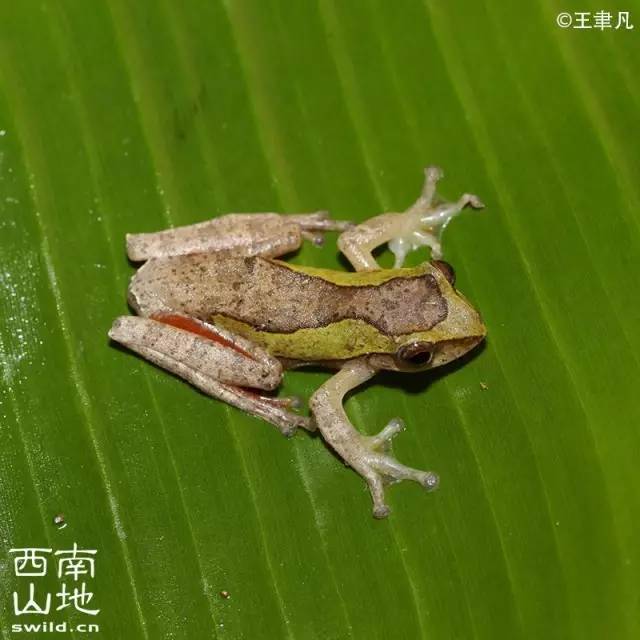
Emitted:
pixel 269 300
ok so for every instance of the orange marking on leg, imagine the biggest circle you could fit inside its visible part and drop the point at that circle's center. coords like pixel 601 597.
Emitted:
pixel 194 326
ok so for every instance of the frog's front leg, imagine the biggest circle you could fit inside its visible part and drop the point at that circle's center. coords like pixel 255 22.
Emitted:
pixel 421 224
pixel 245 234
pixel 368 455
pixel 216 361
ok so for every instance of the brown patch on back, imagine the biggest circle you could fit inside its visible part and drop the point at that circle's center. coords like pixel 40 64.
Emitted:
pixel 273 298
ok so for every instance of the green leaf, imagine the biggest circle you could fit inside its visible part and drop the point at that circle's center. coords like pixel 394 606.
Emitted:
pixel 121 117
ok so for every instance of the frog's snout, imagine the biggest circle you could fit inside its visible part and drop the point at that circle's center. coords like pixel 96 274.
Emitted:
pixel 454 349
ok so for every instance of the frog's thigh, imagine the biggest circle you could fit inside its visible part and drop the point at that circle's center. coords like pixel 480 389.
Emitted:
pixel 369 456
pixel 213 360
pixel 266 234
pixel 246 234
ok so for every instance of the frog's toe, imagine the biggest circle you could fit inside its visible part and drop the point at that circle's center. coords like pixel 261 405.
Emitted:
pixel 380 468
pixel 471 200
pixel 400 247
pixel 393 471
pixel 318 221
pixel 315 237
pixel 376 488
pixel 432 173
pixel 382 441
pixel 381 511
pixel 294 402
pixel 430 480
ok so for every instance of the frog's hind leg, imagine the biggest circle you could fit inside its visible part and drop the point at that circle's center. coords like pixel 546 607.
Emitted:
pixel 314 225
pixel 216 361
pixel 245 234
pixel 368 455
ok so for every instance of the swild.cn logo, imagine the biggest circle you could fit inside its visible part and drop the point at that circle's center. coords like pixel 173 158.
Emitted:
pixel 52 627
pixel 75 568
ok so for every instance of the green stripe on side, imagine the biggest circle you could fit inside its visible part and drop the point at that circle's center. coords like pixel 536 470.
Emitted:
pixel 357 279
pixel 340 340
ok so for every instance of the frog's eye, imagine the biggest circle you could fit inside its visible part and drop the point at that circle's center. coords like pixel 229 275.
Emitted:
pixel 446 269
pixel 416 354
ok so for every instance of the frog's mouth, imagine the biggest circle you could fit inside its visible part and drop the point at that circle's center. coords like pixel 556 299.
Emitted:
pixel 452 349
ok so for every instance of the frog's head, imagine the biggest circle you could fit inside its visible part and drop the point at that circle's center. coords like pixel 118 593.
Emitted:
pixel 458 332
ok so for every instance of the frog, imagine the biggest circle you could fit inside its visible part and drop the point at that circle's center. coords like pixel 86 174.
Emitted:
pixel 216 305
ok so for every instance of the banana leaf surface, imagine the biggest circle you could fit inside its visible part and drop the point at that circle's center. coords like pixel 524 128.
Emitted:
pixel 121 117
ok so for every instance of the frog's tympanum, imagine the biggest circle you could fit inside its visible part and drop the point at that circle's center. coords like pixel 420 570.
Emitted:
pixel 217 308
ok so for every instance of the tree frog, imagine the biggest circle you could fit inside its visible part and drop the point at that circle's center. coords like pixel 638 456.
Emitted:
pixel 216 307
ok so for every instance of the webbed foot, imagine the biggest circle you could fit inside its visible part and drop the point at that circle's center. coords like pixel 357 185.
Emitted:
pixel 421 224
pixel 370 456
pixel 380 468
